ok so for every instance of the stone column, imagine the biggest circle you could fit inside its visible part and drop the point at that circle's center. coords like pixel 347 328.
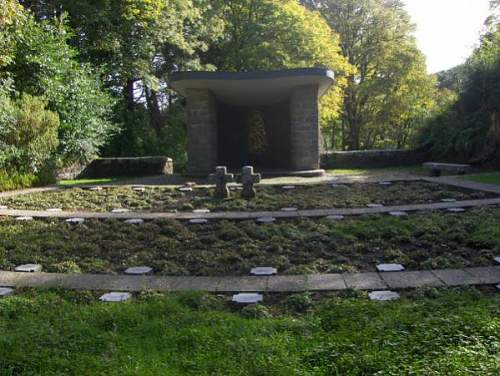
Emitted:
pixel 201 131
pixel 304 128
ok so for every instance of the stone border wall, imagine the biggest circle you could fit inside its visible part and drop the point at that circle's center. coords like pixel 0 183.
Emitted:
pixel 371 158
pixel 128 167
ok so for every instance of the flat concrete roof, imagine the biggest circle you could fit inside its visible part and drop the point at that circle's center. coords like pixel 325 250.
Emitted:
pixel 253 88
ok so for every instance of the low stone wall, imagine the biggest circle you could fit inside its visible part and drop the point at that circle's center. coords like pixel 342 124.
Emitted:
pixel 124 167
pixel 371 158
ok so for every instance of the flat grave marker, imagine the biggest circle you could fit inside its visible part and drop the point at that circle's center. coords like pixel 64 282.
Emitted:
pixel 54 210
pixel 265 220
pixel 390 267
pixel 28 268
pixel 138 270
pixel 496 259
pixel 24 219
pixel 288 187
pixel 185 189
pixel 134 221
pixel 3 207
pixel 383 296
pixel 448 200
pixel 201 211
pixel 115 297
pixel 374 206
pixel 263 270
pixel 198 221
pixel 456 210
pixel 6 291
pixel 75 221
pixel 288 209
pixel 120 210
pixel 385 183
pixel 398 214
pixel 247 298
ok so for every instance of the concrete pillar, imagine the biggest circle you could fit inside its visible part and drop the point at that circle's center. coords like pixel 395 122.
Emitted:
pixel 304 128
pixel 201 131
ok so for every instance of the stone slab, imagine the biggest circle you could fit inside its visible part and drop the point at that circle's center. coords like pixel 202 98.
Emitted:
pixel 75 221
pixel 6 291
pixel 398 214
pixel 283 283
pixel 24 218
pixel 138 270
pixel 390 267
pixel 263 270
pixel 198 221
pixel 364 281
pixel 383 296
pixel 265 220
pixel 29 268
pixel 485 275
pixel 497 259
pixel 247 298
pixel 134 221
pixel 115 297
pixel 456 210
pixel 244 284
pixel 325 282
pixel 411 279
pixel 120 210
pixel 455 277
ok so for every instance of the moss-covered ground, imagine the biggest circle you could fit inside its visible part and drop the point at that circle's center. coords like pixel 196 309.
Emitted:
pixel 428 332
pixel 427 240
pixel 269 197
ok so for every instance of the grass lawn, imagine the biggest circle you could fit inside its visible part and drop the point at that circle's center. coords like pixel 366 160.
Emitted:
pixel 414 170
pixel 490 178
pixel 66 183
pixel 268 198
pixel 428 332
pixel 429 240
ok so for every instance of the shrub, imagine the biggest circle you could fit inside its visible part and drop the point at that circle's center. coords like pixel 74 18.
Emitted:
pixel 299 303
pixel 255 311
pixel 28 135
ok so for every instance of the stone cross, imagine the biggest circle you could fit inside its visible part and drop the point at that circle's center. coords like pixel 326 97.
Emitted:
pixel 248 179
pixel 221 178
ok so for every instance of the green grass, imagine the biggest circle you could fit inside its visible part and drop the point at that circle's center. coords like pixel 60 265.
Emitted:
pixel 489 178
pixel 268 197
pixel 413 169
pixel 430 240
pixel 429 332
pixel 66 183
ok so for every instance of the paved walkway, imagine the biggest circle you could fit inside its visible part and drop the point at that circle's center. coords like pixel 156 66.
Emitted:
pixel 242 215
pixel 285 283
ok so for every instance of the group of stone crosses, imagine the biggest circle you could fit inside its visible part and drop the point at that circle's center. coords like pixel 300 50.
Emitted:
pixel 221 178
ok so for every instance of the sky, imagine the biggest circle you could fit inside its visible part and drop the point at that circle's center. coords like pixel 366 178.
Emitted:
pixel 447 30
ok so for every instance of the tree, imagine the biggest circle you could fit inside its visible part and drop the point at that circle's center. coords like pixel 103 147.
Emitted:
pixel 137 44
pixel 279 34
pixel 40 65
pixel 376 38
pixel 469 127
